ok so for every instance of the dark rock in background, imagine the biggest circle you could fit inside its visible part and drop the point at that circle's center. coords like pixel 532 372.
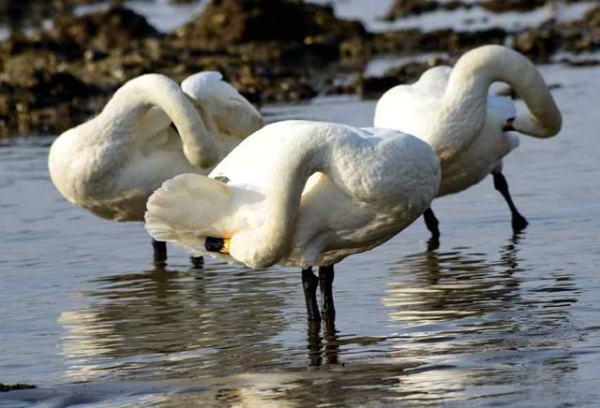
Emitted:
pixel 104 30
pixel 502 6
pixel 404 8
pixel 229 22
pixel 271 50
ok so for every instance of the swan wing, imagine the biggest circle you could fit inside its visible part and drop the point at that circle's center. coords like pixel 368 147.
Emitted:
pixel 232 113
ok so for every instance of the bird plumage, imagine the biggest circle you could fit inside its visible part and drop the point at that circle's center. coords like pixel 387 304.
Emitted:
pixel 111 164
pixel 300 193
pixel 450 109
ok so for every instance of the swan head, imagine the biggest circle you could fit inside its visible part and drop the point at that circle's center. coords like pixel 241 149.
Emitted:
pixel 547 125
pixel 509 125
pixel 220 245
pixel 200 85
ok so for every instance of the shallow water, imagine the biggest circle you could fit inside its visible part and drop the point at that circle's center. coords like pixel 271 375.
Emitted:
pixel 487 318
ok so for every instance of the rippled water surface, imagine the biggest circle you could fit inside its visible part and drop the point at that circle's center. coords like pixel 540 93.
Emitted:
pixel 488 318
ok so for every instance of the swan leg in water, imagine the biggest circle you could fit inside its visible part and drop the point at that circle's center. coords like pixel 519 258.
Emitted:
pixel 432 224
pixel 326 275
pixel 518 221
pixel 309 284
pixel 160 255
pixel 197 262
pixel 160 251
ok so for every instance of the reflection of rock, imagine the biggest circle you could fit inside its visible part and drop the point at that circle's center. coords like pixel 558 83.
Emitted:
pixel 171 324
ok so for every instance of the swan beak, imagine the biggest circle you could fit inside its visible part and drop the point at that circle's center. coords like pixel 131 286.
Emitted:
pixel 220 245
pixel 508 126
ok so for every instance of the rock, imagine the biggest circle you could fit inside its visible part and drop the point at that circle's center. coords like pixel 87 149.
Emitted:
pixel 454 42
pixel 538 44
pixel 60 87
pixel 502 6
pixel 583 35
pixel 104 30
pixel 13 387
pixel 228 22
pixel 404 8
pixel 374 87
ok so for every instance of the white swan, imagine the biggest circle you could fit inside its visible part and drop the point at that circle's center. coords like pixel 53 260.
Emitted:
pixel 451 110
pixel 111 164
pixel 302 194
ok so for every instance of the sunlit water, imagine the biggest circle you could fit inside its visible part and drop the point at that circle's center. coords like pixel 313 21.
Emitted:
pixel 487 318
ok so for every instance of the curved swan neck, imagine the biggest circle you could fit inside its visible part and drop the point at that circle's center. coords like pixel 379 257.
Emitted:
pixel 311 148
pixel 465 99
pixel 283 198
pixel 137 96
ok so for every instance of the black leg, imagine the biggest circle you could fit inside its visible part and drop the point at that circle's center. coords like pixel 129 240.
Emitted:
pixel 309 284
pixel 197 262
pixel 315 343
pixel 332 346
pixel 432 223
pixel 518 221
pixel 326 275
pixel 160 251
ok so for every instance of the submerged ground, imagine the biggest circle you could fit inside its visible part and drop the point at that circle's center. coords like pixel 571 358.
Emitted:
pixel 488 318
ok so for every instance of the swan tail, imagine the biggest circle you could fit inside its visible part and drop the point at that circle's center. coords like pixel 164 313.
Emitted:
pixel 187 209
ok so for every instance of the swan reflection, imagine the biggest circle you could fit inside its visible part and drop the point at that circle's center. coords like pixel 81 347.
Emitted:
pixel 159 324
pixel 463 320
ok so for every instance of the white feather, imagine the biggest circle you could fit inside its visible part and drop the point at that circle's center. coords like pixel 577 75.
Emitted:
pixel 451 110
pixel 111 164
pixel 233 114
pixel 323 192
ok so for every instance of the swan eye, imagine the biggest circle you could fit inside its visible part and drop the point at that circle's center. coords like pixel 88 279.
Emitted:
pixel 508 126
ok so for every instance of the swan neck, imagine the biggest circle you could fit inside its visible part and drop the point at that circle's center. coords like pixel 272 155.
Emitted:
pixel 474 73
pixel 136 97
pixel 283 198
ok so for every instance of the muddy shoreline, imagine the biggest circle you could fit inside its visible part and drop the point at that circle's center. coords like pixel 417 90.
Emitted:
pixel 271 50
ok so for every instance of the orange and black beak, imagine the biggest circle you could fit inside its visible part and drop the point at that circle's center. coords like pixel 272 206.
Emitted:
pixel 220 245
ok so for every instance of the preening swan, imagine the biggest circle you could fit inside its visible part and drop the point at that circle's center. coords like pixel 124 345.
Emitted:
pixel 451 110
pixel 300 193
pixel 111 164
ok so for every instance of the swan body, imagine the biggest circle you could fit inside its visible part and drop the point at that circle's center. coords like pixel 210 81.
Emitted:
pixel 300 193
pixel 450 109
pixel 111 164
